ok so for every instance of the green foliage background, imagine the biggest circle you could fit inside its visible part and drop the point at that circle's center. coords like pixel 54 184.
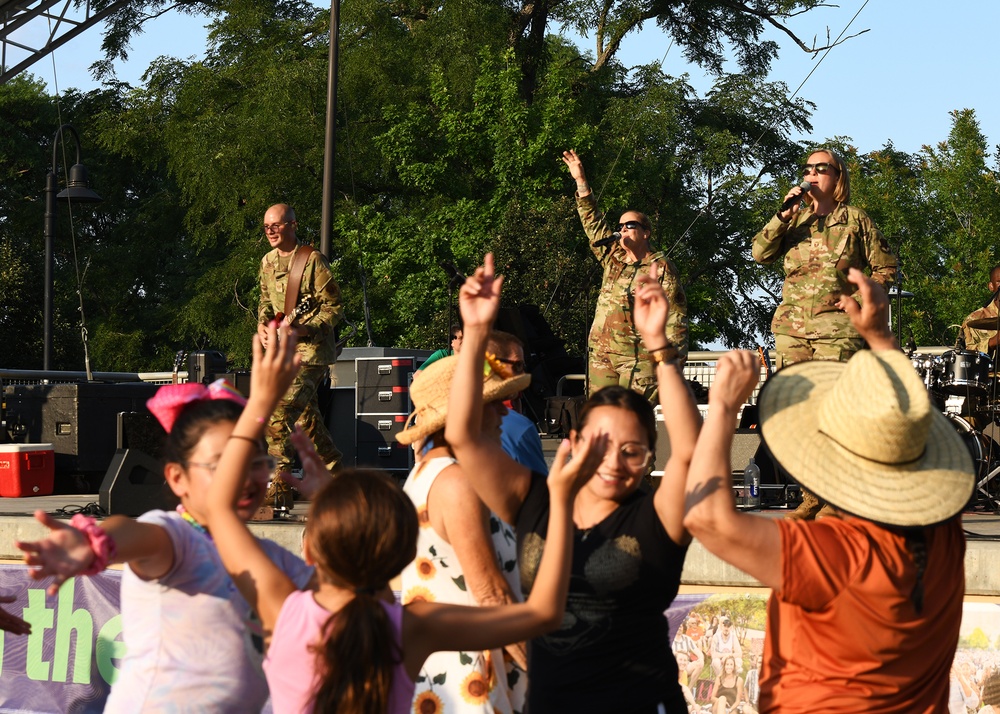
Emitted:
pixel 451 121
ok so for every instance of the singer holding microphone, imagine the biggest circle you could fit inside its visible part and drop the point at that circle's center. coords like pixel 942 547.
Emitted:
pixel 820 237
pixel 617 355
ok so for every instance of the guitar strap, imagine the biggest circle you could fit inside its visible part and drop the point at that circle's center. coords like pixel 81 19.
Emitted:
pixel 296 268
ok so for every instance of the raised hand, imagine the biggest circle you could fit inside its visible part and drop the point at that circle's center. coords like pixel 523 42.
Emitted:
pixel 314 472
pixel 64 553
pixel 12 623
pixel 871 318
pixel 479 296
pixel 651 309
pixel 273 370
pixel 575 166
pixel 736 375
pixel 568 475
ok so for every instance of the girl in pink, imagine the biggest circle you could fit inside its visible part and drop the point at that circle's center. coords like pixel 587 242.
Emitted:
pixel 347 646
pixel 191 639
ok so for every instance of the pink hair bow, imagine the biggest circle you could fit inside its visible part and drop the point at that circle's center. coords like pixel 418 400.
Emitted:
pixel 170 400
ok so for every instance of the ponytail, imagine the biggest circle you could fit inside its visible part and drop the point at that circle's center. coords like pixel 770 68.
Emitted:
pixel 362 531
pixel 360 648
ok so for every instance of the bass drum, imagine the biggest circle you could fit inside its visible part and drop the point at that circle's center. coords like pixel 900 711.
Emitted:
pixel 981 447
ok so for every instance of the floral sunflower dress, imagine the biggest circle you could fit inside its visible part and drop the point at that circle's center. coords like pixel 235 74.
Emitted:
pixel 473 682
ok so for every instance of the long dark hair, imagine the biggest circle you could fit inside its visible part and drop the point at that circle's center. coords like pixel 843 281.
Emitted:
pixel 623 398
pixel 361 531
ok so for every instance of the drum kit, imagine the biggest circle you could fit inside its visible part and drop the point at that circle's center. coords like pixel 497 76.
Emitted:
pixel 965 387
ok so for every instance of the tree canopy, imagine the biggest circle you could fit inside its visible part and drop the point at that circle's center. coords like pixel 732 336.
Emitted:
pixel 451 121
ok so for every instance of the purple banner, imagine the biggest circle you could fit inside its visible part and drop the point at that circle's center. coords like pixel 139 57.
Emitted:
pixel 70 659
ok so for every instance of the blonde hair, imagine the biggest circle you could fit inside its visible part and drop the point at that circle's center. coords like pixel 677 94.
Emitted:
pixel 842 191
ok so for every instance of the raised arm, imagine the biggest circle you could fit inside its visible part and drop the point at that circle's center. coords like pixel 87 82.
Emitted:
pixel 501 482
pixel 749 542
pixel 575 166
pixel 68 551
pixel 431 627
pixel 259 580
pixel 680 414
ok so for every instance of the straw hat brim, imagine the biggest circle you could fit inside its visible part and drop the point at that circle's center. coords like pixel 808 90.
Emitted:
pixel 923 492
pixel 424 421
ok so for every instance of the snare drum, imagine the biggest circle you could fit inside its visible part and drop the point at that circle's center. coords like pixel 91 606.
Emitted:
pixel 965 372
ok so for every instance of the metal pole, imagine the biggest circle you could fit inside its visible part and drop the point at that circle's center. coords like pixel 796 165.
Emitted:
pixel 331 132
pixel 51 186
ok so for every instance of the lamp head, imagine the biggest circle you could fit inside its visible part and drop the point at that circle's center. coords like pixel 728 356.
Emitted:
pixel 78 188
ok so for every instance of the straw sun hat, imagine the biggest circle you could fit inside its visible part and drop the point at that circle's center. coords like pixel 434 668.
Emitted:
pixel 864 436
pixel 430 388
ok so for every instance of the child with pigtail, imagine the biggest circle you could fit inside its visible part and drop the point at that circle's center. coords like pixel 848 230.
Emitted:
pixel 347 646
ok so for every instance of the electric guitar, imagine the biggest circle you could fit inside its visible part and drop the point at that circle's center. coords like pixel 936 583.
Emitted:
pixel 178 361
pixel 305 305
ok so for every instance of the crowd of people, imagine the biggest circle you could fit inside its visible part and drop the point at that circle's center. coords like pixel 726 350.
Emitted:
pixel 531 592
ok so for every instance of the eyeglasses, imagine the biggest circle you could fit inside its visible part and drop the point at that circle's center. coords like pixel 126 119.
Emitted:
pixel 821 168
pixel 632 226
pixel 260 465
pixel 516 365
pixel 275 227
pixel 637 456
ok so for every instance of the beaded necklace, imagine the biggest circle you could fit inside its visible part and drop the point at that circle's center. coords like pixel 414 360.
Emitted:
pixel 190 519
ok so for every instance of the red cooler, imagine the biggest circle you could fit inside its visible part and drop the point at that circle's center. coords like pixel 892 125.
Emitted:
pixel 27 470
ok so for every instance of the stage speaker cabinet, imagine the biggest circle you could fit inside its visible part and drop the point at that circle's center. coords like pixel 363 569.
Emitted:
pixel 80 420
pixel 134 484
pixel 204 365
pixel 746 444
pixel 240 380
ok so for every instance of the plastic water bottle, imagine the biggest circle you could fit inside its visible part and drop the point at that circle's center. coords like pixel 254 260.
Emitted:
pixel 751 485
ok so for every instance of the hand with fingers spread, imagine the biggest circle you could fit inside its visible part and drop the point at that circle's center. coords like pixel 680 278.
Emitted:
pixel 575 464
pixel 651 309
pixel 63 554
pixel 11 623
pixel 479 297
pixel 315 475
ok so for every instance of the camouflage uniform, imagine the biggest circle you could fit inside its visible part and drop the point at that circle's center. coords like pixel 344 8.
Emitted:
pixel 617 355
pixel 318 350
pixel 817 252
pixel 978 340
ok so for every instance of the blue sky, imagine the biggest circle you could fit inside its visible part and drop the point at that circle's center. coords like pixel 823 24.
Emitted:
pixel 899 81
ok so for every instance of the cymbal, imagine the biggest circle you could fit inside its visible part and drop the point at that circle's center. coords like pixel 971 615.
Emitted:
pixel 984 323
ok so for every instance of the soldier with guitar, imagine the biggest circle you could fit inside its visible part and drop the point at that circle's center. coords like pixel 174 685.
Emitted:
pixel 296 286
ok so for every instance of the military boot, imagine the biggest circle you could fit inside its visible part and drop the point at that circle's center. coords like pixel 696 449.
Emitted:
pixel 279 494
pixel 808 509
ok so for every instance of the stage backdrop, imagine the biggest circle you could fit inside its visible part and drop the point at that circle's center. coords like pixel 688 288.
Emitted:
pixel 72 657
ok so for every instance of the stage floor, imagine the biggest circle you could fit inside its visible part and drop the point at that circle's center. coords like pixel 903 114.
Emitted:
pixel 982 559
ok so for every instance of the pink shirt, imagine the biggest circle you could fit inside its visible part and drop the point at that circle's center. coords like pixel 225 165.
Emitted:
pixel 290 662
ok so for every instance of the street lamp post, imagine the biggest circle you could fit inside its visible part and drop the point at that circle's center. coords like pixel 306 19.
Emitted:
pixel 77 190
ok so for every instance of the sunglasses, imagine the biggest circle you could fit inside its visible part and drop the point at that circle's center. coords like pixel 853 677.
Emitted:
pixel 821 168
pixel 632 226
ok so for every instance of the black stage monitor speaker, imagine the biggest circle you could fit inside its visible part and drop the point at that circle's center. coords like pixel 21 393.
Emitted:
pixel 134 484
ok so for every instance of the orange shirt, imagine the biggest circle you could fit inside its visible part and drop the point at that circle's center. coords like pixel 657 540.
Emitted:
pixel 842 633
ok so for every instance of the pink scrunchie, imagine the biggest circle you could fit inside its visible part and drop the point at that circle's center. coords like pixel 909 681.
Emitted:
pixel 170 400
pixel 101 544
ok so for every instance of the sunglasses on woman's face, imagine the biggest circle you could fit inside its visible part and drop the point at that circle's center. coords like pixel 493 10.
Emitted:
pixel 631 225
pixel 821 168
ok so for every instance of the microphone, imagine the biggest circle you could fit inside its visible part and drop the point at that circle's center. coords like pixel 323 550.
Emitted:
pixel 792 200
pixel 613 238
